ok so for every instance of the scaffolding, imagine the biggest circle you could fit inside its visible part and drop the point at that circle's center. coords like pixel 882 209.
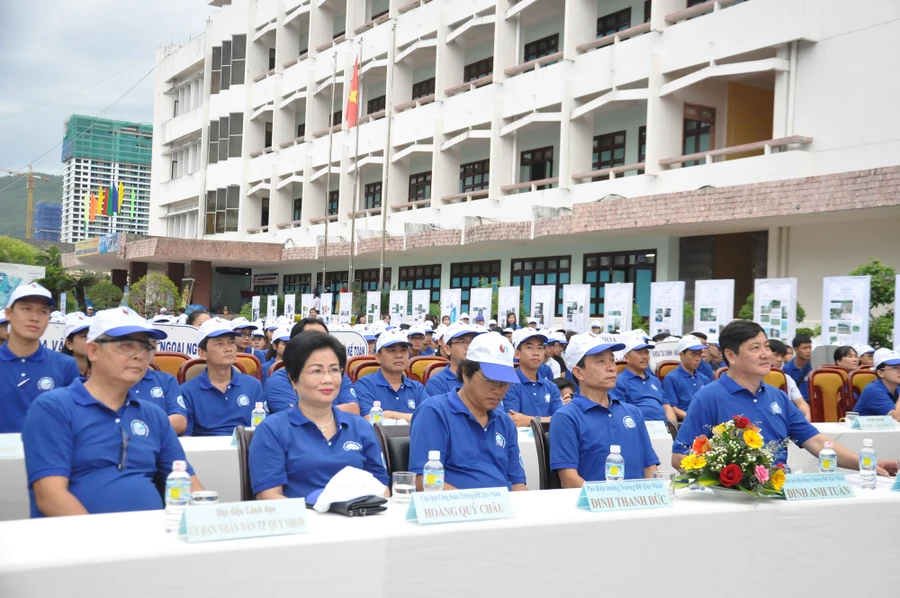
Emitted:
pixel 47 221
pixel 108 140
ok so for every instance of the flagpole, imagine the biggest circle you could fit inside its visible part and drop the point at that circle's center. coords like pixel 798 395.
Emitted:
pixel 328 171
pixel 389 113
pixel 356 168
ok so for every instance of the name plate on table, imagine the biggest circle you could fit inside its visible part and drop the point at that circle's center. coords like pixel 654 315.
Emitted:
pixel 453 506
pixel 816 486
pixel 875 422
pixel 657 430
pixel 11 446
pixel 629 495
pixel 235 521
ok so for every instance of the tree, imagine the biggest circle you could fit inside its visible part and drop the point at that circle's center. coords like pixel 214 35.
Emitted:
pixel 151 292
pixel 637 320
pixel 77 283
pixel 14 251
pixel 746 312
pixel 882 293
pixel 55 276
pixel 104 295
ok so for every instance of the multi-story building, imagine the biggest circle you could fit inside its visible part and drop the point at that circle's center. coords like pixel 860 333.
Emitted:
pixel 530 142
pixel 98 153
pixel 47 221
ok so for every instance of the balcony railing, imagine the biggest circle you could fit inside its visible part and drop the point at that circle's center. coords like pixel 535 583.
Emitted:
pixel 294 141
pixel 463 197
pixel 373 23
pixel 412 205
pixel 291 224
pixel 530 185
pixel 612 38
pixel 609 173
pixel 263 151
pixel 333 42
pixel 368 212
pixel 268 73
pixel 767 146
pixel 699 9
pixel 323 132
pixel 534 64
pixel 258 230
pixel 373 116
pixel 321 219
pixel 412 5
pixel 414 103
pixel 470 85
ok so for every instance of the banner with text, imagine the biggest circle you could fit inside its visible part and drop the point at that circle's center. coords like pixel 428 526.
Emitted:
pixel 398 305
pixel 254 308
pixel 421 306
pixel 845 310
pixel 543 304
pixel 775 307
pixel 327 301
pixel 345 308
pixel 13 275
pixel 713 305
pixel 508 303
pixel 480 304
pixel 451 299
pixel 667 308
pixel 575 306
pixel 618 302
pixel 373 307
pixel 290 306
pixel 306 301
pixel 271 307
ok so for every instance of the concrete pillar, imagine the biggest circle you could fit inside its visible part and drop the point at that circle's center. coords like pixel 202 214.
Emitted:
pixel 119 278
pixel 201 272
pixel 175 273
pixel 136 271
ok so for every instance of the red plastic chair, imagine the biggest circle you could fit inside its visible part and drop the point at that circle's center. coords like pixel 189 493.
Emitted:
pixel 194 367
pixel 666 367
pixel 827 395
pixel 251 365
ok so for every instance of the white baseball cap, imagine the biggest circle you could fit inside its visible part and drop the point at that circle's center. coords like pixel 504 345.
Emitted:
pixel 30 290
pixel 881 357
pixel 271 324
pixel 428 325
pixel 690 343
pixel 259 332
pixel 75 323
pixel 559 337
pixel 637 343
pixel 163 310
pixel 457 330
pixel 214 327
pixel 121 321
pixel 509 331
pixel 241 323
pixel 57 317
pixel 464 316
pixel 712 339
pixel 495 356
pixel 596 324
pixel 587 343
pixel 862 349
pixel 523 334
pixel 492 322
pixel 414 330
pixel 390 337
pixel 161 319
pixel 282 333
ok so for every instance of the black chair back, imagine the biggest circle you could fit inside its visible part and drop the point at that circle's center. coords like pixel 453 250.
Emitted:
pixel 244 436
pixel 549 480
pixel 395 446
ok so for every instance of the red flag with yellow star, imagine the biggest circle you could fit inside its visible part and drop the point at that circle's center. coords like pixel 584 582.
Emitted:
pixel 352 111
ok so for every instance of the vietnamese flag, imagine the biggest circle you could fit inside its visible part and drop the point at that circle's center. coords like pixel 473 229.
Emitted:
pixel 352 111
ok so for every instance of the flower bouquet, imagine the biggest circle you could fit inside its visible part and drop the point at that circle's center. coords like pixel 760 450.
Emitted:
pixel 736 457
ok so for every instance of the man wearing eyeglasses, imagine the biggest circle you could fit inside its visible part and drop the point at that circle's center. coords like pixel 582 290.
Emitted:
pixel 27 369
pixel 243 337
pixel 94 446
pixel 399 396
pixel 220 398
pixel 456 338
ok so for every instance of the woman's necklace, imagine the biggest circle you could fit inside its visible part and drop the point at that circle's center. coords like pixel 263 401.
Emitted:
pixel 322 428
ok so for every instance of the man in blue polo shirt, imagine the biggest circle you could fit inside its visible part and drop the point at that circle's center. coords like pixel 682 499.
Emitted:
pixel 584 430
pixel 27 368
pixel 741 391
pixel 533 396
pixel 220 398
pixel 279 392
pixel 800 366
pixel 457 338
pixel 95 447
pixel 162 389
pixel 243 337
pixel 478 443
pixel 682 383
pixel 416 337
pixel 641 389
pixel 879 397
pixel 399 395
pixel 705 366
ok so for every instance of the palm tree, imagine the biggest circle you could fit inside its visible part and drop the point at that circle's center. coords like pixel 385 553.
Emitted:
pixel 79 281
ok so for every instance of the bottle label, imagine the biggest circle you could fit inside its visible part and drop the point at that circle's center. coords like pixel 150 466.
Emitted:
pixel 376 417
pixel 825 464
pixel 432 479
pixel 866 461
pixel 613 471
pixel 256 420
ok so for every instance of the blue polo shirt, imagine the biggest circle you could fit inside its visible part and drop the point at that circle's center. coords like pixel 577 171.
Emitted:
pixel 545 371
pixel 876 399
pixel 71 434
pixel 443 382
pixel 258 353
pixel 214 413
pixel 769 408
pixel 532 398
pixel 800 376
pixel 264 373
pixel 22 379
pixel 280 394
pixel 645 393
pixel 473 456
pixel 375 387
pixel 680 387
pixel 289 450
pixel 706 369
pixel 582 432
pixel 426 351
pixel 162 390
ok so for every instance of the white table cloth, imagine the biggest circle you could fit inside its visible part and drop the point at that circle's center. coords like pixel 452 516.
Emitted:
pixel 774 547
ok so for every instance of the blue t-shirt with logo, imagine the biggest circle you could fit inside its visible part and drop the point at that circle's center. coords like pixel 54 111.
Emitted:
pixel 680 386
pixel 214 413
pixel 161 389
pixel 443 382
pixel 375 387
pixel 280 393
pixel 645 393
pixel 800 376
pixel 23 379
pixel 540 398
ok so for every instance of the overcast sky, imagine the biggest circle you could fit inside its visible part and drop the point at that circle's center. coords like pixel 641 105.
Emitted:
pixel 50 48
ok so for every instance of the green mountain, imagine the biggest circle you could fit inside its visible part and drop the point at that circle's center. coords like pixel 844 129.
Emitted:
pixel 14 201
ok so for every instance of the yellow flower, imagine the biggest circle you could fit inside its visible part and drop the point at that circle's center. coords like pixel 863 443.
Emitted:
pixel 692 462
pixel 753 439
pixel 777 479
pixel 720 429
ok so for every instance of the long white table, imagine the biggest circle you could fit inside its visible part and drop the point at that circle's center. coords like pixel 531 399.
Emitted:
pixel 814 548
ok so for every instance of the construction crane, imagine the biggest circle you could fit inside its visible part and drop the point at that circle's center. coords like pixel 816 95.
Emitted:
pixel 29 213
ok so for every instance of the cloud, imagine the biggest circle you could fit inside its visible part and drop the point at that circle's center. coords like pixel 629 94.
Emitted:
pixel 54 47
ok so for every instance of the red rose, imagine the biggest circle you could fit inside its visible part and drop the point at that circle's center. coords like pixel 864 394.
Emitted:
pixel 741 422
pixel 731 475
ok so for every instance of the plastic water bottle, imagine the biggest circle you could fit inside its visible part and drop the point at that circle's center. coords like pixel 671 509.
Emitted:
pixel 828 459
pixel 258 415
pixel 377 412
pixel 615 465
pixel 178 494
pixel 433 473
pixel 868 462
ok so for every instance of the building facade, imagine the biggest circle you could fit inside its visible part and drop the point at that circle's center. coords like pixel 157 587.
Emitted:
pixel 531 142
pixel 99 153
pixel 47 221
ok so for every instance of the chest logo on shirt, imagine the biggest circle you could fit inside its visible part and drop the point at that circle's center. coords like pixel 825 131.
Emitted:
pixel 243 401
pixel 180 401
pixel 45 383
pixel 352 446
pixel 353 392
pixel 776 408
pixel 411 403
pixel 501 441
pixel 629 422
pixel 653 386
pixel 156 392
pixel 547 398
pixel 139 428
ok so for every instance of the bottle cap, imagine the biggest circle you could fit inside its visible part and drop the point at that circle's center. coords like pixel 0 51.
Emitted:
pixel 867 443
pixel 179 466
pixel 615 448
pixel 829 445
pixel 434 455
pixel 259 405
pixel 376 403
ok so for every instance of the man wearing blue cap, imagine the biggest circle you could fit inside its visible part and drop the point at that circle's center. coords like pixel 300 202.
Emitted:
pixel 27 368
pixel 640 388
pixel 584 429
pixel 477 441
pixel 95 447
pixel 399 396
pixel 880 397
pixel 682 383
pixel 534 396
pixel 457 338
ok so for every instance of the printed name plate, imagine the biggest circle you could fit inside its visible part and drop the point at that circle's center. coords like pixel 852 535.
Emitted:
pixel 629 495
pixel 11 446
pixel 453 506
pixel 252 519
pixel 875 422
pixel 816 486
pixel 657 430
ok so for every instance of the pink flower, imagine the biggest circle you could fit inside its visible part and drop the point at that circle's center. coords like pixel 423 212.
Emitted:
pixel 762 474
